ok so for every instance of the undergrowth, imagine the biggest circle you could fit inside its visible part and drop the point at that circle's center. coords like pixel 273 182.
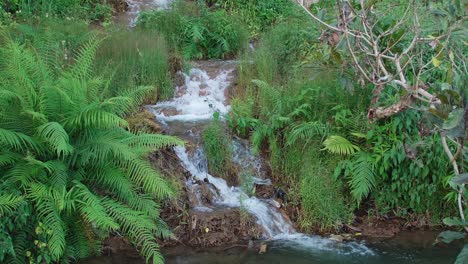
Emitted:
pixel 198 32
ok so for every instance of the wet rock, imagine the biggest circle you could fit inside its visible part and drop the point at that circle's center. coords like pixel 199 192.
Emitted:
pixel 143 121
pixel 263 249
pixel 275 203
pixel 337 238
pixel 119 6
pixel 251 244
pixel 170 112
pixel 280 194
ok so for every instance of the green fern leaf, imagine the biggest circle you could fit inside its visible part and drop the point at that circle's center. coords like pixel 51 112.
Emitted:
pixel 340 145
pixel 57 137
pixel 362 176
pixel 9 203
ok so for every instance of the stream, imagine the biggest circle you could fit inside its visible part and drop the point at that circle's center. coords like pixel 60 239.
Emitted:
pixel 203 93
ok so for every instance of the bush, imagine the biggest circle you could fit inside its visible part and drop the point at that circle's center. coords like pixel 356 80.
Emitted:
pixel 200 34
pixel 100 11
pixel 70 173
pixel 259 15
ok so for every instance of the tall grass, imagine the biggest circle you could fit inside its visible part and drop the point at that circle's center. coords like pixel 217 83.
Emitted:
pixel 218 149
pixel 323 201
pixel 97 11
pixel 136 58
pixel 128 58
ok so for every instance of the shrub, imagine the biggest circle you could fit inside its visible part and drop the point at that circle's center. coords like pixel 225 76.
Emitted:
pixel 100 10
pixel 200 34
pixel 258 15
pixel 70 173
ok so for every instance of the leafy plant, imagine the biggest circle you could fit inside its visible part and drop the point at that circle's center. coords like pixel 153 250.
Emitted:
pixel 71 173
pixel 340 145
pixel 200 34
pixel 258 15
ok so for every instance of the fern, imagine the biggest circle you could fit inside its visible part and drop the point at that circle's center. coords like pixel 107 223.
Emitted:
pixel 9 203
pixel 305 131
pixel 340 145
pixel 362 179
pixel 68 165
pixel 57 137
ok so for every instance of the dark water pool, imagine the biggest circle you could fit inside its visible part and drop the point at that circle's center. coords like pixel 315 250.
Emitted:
pixel 405 248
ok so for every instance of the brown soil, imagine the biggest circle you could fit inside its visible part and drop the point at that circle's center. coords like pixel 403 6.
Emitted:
pixel 118 6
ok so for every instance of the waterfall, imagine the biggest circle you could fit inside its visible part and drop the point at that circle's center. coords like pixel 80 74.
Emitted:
pixel 202 94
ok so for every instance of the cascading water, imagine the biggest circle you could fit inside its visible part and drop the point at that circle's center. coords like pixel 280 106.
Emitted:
pixel 203 94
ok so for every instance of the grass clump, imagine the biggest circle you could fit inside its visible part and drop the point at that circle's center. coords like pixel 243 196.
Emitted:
pixel 94 11
pixel 218 149
pixel 322 200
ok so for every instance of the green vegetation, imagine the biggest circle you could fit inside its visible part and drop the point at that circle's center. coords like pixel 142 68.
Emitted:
pixel 197 32
pixel 217 147
pixel 258 15
pixel 300 100
pixel 136 58
pixel 69 168
pixel 94 11
pixel 359 111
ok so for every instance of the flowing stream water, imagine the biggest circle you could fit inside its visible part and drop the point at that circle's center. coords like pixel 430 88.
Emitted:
pixel 203 93
pixel 196 101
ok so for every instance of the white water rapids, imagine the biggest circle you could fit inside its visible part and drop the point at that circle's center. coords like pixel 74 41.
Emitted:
pixel 203 94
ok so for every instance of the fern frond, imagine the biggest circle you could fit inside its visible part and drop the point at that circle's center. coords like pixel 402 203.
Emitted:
pixel 16 140
pixel 143 174
pixel 139 227
pixel 49 214
pixel 151 141
pixel 362 176
pixel 9 203
pixel 92 116
pixel 260 133
pixel 9 158
pixel 83 65
pixel 54 134
pixel 58 174
pixel 91 208
pixel 340 145
pixel 305 131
